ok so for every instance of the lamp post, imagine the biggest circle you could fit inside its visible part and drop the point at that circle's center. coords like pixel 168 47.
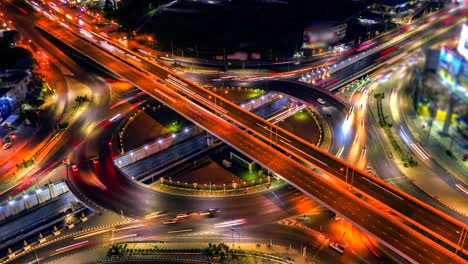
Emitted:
pixel 150 39
pixel 238 233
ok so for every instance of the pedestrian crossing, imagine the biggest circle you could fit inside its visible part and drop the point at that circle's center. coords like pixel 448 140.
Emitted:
pixel 398 180
pixel 371 170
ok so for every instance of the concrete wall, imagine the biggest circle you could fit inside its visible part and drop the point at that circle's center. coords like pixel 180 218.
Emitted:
pixel 155 147
pixel 31 199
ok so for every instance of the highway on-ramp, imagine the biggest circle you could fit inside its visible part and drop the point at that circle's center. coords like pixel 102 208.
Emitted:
pixel 393 234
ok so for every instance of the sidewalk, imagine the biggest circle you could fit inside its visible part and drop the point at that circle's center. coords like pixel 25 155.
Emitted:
pixel 214 193
pixel 423 175
pixel 279 253
pixel 436 145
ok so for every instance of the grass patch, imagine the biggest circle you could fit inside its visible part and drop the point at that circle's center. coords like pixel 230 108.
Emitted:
pixel 302 116
pixel 252 93
pixel 248 176
pixel 174 126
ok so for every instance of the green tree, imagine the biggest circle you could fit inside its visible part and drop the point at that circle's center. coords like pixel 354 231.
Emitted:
pixel 108 7
pixel 36 102
pixel 30 115
pixel 79 100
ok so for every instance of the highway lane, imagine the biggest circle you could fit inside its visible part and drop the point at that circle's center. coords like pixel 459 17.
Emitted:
pixel 296 207
pixel 163 71
pixel 455 236
pixel 435 222
pixel 153 165
pixel 420 213
pixel 202 230
pixel 270 158
pixel 64 96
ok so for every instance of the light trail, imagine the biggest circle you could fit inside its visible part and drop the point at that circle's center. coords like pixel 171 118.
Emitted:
pixel 179 231
pixel 72 246
pixel 122 237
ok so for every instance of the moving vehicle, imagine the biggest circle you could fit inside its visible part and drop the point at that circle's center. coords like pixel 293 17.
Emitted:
pixel 184 215
pixel 337 247
pixel 95 159
pixel 321 101
pixel 172 221
pixel 74 168
pixel 6 145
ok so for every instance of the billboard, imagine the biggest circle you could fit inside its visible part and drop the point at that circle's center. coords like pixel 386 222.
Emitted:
pixel 322 35
pixel 453 72
pixel 449 66
pixel 461 88
pixel 462 47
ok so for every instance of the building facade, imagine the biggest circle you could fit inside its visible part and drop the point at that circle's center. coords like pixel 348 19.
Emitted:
pixel 15 87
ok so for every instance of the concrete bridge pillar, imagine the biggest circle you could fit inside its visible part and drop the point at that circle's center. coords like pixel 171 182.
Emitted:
pixel 209 139
pixel 448 118
pixel 52 192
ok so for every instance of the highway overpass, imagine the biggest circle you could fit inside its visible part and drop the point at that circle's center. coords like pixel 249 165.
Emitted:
pixel 416 214
pixel 390 232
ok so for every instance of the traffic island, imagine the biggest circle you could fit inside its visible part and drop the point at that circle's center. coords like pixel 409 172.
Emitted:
pixel 214 190
pixel 200 252
pixel 222 172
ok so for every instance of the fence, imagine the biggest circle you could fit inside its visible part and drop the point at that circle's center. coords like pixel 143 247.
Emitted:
pixel 31 199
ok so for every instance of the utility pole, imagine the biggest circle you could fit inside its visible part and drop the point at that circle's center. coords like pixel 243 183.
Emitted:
pixel 172 49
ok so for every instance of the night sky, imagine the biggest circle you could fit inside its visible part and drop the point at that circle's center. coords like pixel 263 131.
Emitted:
pixel 244 25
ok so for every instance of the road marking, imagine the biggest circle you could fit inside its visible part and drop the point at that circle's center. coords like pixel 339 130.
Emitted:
pixel 265 127
pixel 461 188
pixel 383 188
pixel 319 161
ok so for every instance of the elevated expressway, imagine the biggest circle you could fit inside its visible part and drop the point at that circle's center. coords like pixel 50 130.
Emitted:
pixel 416 214
pixel 392 233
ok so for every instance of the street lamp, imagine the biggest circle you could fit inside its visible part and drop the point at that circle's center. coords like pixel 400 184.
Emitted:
pixel 239 235
pixel 150 39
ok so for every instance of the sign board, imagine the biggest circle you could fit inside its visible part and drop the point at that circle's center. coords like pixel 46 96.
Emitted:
pixel 462 47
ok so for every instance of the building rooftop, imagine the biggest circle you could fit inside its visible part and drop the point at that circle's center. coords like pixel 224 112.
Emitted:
pixel 9 77
pixel 391 2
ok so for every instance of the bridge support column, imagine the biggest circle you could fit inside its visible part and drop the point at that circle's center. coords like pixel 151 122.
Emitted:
pixel 52 192
pixel 448 118
pixel 209 139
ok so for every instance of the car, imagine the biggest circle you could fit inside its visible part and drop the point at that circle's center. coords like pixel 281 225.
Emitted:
pixel 6 145
pixel 184 215
pixel 74 168
pixel 337 247
pixel 95 159
pixel 321 101
pixel 169 222
pixel 210 212
pixel 11 128
pixel 213 211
